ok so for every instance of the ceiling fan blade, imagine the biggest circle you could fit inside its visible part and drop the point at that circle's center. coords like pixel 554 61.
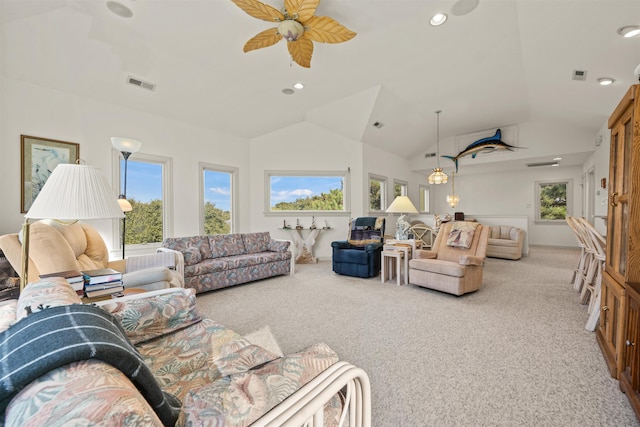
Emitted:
pixel 260 10
pixel 264 38
pixel 327 30
pixel 301 51
pixel 304 8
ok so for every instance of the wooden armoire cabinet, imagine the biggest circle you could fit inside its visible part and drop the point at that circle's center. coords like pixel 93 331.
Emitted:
pixel 617 333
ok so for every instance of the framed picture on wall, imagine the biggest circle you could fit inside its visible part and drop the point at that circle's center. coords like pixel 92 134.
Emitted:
pixel 38 158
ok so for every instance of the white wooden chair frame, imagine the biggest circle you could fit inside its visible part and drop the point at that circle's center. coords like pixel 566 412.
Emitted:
pixel 306 406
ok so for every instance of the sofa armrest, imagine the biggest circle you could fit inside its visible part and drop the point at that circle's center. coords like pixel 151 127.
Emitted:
pixel 179 260
pixel 341 244
pixel 372 247
pixel 425 254
pixel 147 278
pixel 284 245
pixel 82 393
pixel 471 260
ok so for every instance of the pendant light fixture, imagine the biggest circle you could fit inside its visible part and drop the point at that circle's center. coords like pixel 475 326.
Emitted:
pixel 453 199
pixel 437 177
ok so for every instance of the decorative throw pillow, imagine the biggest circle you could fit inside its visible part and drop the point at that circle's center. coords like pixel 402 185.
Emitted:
pixel 461 235
pixel 50 292
pixel 147 318
pixel 363 231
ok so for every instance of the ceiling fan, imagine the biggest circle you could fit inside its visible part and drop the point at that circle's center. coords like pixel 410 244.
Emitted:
pixel 297 24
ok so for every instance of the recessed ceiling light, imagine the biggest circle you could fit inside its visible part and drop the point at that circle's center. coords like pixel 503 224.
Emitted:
pixel 555 165
pixel 287 91
pixel 438 19
pixel 629 31
pixel 298 86
pixel 119 9
pixel 606 81
pixel 557 158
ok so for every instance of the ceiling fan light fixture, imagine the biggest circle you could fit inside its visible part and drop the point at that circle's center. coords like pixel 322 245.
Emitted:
pixel 606 81
pixel 629 31
pixel 438 19
pixel 290 30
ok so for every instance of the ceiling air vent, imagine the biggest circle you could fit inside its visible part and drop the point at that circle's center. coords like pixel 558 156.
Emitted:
pixel 579 75
pixel 428 155
pixel 140 83
pixel 535 165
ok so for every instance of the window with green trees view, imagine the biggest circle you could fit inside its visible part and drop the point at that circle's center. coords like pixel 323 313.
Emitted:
pixel 377 193
pixel 302 191
pixel 146 182
pixel 553 200
pixel 217 196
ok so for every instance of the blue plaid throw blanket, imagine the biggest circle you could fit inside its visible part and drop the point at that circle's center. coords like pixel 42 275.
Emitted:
pixel 57 336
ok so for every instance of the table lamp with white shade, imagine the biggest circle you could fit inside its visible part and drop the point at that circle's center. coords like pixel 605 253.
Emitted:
pixel 72 192
pixel 403 206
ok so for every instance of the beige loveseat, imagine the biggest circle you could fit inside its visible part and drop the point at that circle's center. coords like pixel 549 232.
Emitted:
pixel 79 246
pixel 505 241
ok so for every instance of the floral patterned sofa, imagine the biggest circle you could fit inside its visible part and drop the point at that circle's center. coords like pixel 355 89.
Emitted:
pixel 222 260
pixel 218 377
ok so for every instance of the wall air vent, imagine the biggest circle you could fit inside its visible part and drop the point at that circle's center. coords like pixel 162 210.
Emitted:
pixel 536 165
pixel 579 75
pixel 428 155
pixel 140 83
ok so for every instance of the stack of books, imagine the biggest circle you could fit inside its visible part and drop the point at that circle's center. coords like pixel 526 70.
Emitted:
pixel 105 281
pixel 74 277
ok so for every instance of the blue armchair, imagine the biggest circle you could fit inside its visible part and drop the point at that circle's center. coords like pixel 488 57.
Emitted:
pixel 359 256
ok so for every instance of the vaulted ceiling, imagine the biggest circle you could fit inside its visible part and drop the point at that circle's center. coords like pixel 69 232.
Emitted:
pixel 503 63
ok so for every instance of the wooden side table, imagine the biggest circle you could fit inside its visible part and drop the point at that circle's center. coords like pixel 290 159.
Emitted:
pixel 392 268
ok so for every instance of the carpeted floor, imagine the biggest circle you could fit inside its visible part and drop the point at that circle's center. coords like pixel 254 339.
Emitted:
pixel 514 353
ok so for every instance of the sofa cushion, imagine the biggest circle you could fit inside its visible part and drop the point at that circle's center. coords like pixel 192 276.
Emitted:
pixel 7 313
pixel 279 245
pixel 437 266
pixel 226 245
pixel 147 318
pixel 256 242
pixel 181 244
pixel 192 255
pixel 505 231
pixel 207 266
pixel 504 242
pixel 50 292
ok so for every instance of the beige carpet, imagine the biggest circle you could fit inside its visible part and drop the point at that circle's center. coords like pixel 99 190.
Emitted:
pixel 514 353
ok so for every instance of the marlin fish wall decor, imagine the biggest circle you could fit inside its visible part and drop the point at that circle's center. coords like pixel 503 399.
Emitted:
pixel 486 145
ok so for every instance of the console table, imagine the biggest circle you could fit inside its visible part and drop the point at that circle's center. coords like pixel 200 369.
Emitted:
pixel 304 245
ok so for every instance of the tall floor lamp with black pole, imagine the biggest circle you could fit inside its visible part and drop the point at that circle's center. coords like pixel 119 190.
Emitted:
pixel 126 147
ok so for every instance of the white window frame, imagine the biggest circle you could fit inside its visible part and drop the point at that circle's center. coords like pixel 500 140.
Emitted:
pixel 569 207
pixel 202 167
pixel 404 185
pixel 383 193
pixel 346 193
pixel 425 199
pixel 167 199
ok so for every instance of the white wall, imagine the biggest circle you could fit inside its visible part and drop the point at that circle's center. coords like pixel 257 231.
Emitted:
pixel 33 110
pixel 599 161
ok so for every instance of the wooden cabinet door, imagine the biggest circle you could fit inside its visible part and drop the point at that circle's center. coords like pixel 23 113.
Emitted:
pixel 610 328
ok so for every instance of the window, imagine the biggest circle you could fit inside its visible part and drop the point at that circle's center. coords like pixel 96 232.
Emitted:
pixel 295 191
pixel 148 191
pixel 377 193
pixel 424 199
pixel 399 188
pixel 218 188
pixel 553 200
